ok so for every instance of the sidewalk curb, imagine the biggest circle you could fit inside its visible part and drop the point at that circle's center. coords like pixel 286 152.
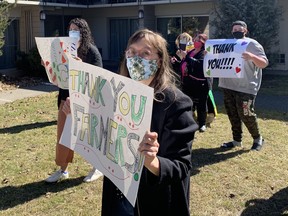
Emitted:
pixel 31 91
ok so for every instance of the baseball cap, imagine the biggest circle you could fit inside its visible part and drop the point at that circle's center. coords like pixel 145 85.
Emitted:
pixel 239 22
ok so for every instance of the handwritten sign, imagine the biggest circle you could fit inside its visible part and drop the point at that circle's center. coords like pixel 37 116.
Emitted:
pixel 110 115
pixel 224 58
pixel 53 51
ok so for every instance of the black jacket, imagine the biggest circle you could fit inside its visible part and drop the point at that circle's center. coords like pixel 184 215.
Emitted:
pixel 195 70
pixel 167 194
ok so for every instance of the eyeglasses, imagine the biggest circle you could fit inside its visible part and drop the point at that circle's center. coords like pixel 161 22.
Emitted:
pixel 146 54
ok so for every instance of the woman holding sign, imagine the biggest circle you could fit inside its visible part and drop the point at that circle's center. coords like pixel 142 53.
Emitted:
pixel 166 147
pixel 195 84
pixel 184 44
pixel 88 53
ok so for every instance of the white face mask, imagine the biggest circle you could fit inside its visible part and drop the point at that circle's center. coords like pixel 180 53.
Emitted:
pixel 75 34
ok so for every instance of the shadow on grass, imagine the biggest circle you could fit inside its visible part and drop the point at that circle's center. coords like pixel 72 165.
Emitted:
pixel 19 128
pixel 275 205
pixel 12 196
pixel 203 157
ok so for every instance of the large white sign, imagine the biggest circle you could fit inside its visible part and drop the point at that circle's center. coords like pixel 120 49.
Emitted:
pixel 224 58
pixel 53 51
pixel 110 115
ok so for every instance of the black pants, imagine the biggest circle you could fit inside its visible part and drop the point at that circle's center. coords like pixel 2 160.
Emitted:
pixel 198 90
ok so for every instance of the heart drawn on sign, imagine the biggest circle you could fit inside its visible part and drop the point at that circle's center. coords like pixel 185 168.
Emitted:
pixel 237 69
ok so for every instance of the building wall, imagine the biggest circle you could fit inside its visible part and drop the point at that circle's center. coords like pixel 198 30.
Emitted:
pixel 30 27
pixel 98 19
pixel 283 41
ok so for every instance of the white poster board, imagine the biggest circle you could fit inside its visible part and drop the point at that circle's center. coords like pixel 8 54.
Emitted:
pixel 110 115
pixel 54 51
pixel 224 58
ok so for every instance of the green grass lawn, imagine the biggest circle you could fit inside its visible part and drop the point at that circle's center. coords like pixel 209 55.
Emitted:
pixel 233 182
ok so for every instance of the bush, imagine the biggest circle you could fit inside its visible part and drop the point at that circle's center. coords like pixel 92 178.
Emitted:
pixel 30 63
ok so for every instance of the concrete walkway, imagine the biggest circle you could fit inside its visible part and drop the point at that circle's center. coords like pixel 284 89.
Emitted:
pixel 20 93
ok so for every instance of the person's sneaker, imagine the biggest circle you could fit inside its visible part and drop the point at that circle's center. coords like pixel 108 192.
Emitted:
pixel 93 175
pixel 58 175
pixel 231 144
pixel 257 145
pixel 203 128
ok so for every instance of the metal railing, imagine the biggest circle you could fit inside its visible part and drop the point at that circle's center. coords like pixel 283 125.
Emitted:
pixel 95 2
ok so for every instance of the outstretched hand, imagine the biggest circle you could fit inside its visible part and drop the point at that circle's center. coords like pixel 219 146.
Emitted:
pixel 182 54
pixel 174 59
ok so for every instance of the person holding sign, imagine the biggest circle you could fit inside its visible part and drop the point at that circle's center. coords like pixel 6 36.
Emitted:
pixel 185 43
pixel 194 83
pixel 88 53
pixel 240 93
pixel 166 147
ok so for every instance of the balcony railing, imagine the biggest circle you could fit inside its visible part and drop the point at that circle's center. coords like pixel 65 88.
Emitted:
pixel 101 3
pixel 95 2
pixel 88 2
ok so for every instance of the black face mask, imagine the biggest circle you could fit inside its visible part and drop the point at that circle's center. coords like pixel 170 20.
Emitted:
pixel 238 35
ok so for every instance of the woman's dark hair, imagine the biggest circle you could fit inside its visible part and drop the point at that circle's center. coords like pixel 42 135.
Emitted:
pixel 86 36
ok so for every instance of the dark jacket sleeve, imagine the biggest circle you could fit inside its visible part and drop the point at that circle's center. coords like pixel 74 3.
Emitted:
pixel 94 57
pixel 195 64
pixel 175 136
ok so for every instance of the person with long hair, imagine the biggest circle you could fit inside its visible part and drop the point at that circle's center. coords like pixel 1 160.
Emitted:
pixel 166 147
pixel 194 82
pixel 87 52
pixel 192 78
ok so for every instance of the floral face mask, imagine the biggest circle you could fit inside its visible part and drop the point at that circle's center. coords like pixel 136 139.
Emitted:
pixel 140 68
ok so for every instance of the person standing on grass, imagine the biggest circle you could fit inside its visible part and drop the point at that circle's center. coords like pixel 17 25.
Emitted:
pixel 88 53
pixel 240 94
pixel 184 44
pixel 194 83
pixel 166 146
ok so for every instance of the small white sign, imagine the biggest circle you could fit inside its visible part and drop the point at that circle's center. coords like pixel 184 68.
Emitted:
pixel 54 51
pixel 224 58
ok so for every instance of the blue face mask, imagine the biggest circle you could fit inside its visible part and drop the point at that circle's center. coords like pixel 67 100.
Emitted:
pixel 140 68
pixel 75 34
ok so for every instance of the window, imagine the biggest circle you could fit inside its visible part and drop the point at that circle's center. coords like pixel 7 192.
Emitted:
pixel 11 46
pixel 276 58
